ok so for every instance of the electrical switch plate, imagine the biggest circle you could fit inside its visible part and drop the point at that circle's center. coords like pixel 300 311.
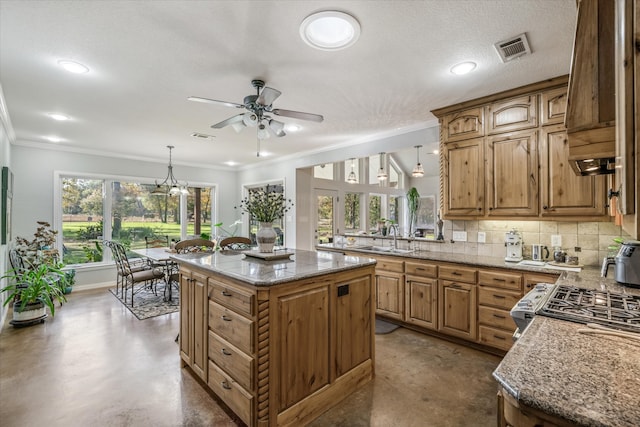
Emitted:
pixel 556 240
pixel 482 237
pixel 460 236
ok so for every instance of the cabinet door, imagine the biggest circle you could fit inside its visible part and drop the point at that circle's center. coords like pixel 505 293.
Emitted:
pixel 553 104
pixel 422 302
pixel 563 192
pixel 200 302
pixel 463 179
pixel 512 174
pixel 513 114
pixel 462 125
pixel 457 311
pixel 353 315
pixel 389 294
pixel 185 316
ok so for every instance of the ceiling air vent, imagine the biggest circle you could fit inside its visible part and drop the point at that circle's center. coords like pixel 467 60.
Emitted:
pixel 513 48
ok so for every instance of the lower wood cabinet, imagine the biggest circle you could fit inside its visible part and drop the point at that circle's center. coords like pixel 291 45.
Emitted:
pixel 457 310
pixel 193 321
pixel 390 288
pixel 422 302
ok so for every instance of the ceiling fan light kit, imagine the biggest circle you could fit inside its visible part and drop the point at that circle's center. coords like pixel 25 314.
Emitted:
pixel 170 185
pixel 330 30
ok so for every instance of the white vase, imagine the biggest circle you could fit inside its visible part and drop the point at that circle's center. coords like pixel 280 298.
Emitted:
pixel 266 237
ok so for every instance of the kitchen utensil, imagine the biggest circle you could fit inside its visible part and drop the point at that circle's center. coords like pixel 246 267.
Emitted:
pixel 513 243
pixel 539 252
pixel 626 262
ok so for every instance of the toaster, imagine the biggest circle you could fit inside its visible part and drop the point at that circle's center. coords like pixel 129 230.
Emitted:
pixel 626 263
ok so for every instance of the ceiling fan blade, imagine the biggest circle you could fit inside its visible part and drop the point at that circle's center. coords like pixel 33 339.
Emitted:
pixel 298 115
pixel 215 101
pixel 229 121
pixel 268 95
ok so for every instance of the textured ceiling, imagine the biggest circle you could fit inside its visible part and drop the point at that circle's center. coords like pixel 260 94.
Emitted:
pixel 147 57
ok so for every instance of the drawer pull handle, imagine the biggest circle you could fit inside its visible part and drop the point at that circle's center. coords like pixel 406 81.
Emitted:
pixel 226 294
pixel 226 352
pixel 499 337
pixel 455 285
pixel 455 273
pixel 225 385
pixel 499 296
pixel 498 280
pixel 499 316
pixel 226 318
pixel 420 269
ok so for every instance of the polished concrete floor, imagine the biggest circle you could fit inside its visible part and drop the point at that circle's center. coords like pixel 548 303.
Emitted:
pixel 95 364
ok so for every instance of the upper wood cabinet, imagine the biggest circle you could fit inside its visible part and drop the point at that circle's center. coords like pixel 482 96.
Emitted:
pixel 463 124
pixel 553 104
pixel 463 179
pixel 513 114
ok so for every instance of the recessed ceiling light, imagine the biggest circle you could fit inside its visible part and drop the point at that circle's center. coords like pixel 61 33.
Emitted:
pixel 463 68
pixel 435 151
pixel 292 128
pixel 73 67
pixel 230 163
pixel 53 138
pixel 330 30
pixel 57 116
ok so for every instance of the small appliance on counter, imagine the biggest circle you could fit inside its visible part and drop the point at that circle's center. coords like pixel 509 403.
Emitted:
pixel 513 243
pixel 626 264
pixel 539 252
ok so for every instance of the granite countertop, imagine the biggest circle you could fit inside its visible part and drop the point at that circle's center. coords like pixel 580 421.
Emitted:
pixel 589 379
pixel 258 272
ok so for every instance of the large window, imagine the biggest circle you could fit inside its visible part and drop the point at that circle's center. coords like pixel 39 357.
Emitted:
pixel 133 214
pixel 375 211
pixel 352 212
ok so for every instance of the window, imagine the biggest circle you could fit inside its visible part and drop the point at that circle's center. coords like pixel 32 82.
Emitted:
pixel 375 211
pixel 133 213
pixel 323 171
pixel 393 209
pixel 374 166
pixel 426 217
pixel 352 166
pixel 352 212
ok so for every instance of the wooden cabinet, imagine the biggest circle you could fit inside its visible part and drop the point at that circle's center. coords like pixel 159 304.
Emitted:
pixel 457 301
pixel 463 179
pixel 519 163
pixel 512 174
pixel 563 192
pixel 193 321
pixel 498 292
pixel 421 294
pixel 390 288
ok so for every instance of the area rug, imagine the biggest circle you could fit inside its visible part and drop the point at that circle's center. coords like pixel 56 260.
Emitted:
pixel 383 327
pixel 147 304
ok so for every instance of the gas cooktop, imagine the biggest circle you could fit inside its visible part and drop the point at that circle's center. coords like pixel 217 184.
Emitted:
pixel 611 309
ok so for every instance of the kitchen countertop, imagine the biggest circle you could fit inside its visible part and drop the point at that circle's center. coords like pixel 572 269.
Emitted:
pixel 258 272
pixel 591 380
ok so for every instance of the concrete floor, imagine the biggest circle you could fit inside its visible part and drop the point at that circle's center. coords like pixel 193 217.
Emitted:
pixel 95 364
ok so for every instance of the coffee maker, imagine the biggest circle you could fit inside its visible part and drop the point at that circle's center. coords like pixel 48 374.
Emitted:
pixel 513 243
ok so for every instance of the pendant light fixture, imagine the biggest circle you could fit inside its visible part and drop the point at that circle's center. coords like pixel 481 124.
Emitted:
pixel 170 185
pixel 352 179
pixel 418 171
pixel 382 173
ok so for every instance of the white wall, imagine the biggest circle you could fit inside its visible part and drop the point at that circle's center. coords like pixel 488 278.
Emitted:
pixel 5 160
pixel 34 168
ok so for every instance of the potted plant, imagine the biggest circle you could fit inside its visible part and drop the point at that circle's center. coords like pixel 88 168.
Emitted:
pixel 413 202
pixel 32 291
pixel 265 207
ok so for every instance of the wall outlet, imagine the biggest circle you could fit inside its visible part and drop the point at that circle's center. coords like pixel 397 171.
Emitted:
pixel 482 237
pixel 460 236
pixel 556 240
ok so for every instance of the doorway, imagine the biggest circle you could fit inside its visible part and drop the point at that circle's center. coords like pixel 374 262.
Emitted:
pixel 326 212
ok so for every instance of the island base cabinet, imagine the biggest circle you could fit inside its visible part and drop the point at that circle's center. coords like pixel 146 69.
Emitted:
pixel 236 398
pixel 512 414
pixel 193 323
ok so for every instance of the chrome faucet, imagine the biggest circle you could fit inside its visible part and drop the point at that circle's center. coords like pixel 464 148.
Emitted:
pixel 394 228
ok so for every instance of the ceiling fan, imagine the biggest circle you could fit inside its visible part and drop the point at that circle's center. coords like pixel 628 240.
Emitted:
pixel 259 107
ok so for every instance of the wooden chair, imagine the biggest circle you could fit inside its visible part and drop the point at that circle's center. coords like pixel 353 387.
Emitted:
pixel 157 241
pixel 235 243
pixel 133 273
pixel 195 245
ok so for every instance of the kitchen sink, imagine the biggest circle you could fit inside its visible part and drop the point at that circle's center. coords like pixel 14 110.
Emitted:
pixel 387 249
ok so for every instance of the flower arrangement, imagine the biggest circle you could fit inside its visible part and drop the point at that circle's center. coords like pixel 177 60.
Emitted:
pixel 265 206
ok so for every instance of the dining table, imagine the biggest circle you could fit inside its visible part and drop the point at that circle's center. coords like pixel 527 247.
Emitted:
pixel 161 257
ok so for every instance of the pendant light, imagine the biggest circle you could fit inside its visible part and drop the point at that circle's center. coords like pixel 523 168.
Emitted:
pixel 352 179
pixel 418 171
pixel 382 174
pixel 170 185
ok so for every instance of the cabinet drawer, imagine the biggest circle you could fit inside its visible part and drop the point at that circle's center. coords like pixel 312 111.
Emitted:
pixel 421 269
pixel 236 398
pixel 458 274
pixel 502 280
pixel 390 265
pixel 231 360
pixel 463 124
pixel 496 317
pixel 231 326
pixel 497 298
pixel 513 114
pixel 496 338
pixel 238 300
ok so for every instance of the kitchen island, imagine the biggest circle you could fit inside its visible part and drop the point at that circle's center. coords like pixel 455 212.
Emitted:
pixel 278 341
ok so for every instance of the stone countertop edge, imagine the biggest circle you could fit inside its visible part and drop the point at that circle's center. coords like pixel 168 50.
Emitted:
pixel 259 272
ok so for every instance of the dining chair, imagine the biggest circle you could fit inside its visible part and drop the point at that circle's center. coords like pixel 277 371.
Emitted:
pixel 195 245
pixel 235 243
pixel 133 273
pixel 157 241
